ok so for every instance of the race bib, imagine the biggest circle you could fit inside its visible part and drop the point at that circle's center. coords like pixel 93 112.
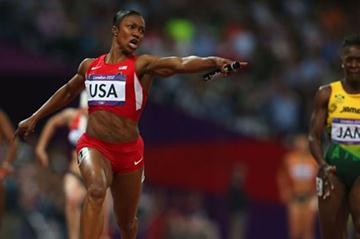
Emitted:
pixel 319 186
pixel 345 131
pixel 84 154
pixel 106 89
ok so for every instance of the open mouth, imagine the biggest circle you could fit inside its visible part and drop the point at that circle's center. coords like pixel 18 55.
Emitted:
pixel 134 43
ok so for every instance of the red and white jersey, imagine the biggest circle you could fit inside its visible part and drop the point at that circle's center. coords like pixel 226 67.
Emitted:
pixel 77 127
pixel 115 88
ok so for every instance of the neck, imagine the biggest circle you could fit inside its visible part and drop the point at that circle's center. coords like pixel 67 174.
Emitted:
pixel 116 54
pixel 352 86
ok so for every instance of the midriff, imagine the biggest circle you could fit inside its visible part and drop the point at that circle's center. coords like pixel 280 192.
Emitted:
pixel 111 128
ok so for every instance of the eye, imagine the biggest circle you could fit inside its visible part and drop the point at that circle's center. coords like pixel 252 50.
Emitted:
pixel 142 30
pixel 352 59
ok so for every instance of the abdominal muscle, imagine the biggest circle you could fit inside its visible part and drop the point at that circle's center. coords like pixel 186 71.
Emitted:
pixel 109 127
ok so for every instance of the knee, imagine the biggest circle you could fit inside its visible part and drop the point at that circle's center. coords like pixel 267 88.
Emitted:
pixel 96 193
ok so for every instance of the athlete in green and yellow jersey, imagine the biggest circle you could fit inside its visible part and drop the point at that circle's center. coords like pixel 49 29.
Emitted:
pixel 337 113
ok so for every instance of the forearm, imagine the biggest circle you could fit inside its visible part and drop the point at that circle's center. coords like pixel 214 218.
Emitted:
pixel 316 149
pixel 46 135
pixel 192 64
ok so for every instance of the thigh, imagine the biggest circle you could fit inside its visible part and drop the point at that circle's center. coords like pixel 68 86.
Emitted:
pixel 126 190
pixel 294 213
pixel 309 211
pixel 354 202
pixel 333 211
pixel 94 167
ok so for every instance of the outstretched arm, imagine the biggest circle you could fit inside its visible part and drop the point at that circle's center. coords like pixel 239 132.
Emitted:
pixel 59 99
pixel 61 119
pixel 168 66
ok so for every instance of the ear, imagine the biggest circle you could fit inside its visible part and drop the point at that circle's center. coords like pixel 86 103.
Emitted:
pixel 114 30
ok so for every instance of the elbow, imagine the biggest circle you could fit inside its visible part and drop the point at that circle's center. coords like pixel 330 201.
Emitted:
pixel 167 73
pixel 312 137
pixel 68 92
pixel 180 67
pixel 183 65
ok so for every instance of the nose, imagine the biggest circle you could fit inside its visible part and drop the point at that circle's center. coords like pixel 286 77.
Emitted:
pixel 137 33
pixel 355 62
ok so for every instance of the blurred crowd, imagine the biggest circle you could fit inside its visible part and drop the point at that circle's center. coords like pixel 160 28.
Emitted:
pixel 291 45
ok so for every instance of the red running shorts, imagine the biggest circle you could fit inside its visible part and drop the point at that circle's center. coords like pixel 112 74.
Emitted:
pixel 124 157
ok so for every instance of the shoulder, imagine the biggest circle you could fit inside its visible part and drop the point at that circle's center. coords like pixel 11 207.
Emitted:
pixel 330 86
pixel 85 64
pixel 87 61
pixel 324 90
pixel 143 61
pixel 146 59
pixel 323 94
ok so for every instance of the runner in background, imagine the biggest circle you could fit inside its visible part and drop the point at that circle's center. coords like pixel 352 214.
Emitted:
pixel 296 181
pixel 6 158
